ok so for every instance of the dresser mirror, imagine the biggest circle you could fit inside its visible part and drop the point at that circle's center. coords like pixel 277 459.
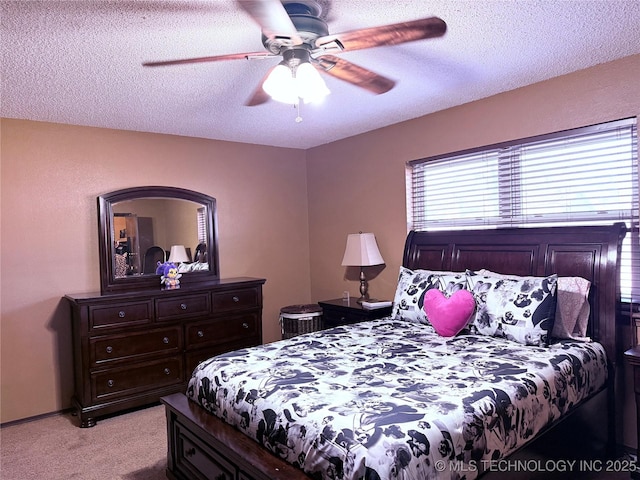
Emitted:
pixel 138 228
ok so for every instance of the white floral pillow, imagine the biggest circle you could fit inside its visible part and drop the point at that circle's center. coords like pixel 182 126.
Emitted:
pixel 408 301
pixel 521 309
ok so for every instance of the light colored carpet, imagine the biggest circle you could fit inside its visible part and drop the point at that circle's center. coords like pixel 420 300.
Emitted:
pixel 132 446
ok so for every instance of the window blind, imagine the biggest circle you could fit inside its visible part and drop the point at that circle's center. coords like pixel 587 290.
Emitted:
pixel 202 226
pixel 583 176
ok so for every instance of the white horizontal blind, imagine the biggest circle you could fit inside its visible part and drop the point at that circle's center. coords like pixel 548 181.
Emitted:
pixel 202 226
pixel 460 191
pixel 576 177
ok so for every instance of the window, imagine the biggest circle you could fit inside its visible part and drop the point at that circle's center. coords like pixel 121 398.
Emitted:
pixel 582 176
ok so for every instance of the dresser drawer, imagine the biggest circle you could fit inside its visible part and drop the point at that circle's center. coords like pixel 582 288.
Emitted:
pixel 182 307
pixel 136 378
pixel 135 346
pixel 234 299
pixel 124 314
pixel 334 318
pixel 194 357
pixel 222 330
pixel 197 460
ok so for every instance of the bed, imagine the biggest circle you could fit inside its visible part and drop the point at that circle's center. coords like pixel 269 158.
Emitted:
pixel 407 397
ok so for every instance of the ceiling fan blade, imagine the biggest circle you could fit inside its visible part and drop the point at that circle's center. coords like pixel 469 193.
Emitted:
pixel 259 96
pixel 385 35
pixel 272 18
pixel 217 58
pixel 354 74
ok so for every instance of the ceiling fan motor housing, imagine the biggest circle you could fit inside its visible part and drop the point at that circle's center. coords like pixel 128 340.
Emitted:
pixel 305 16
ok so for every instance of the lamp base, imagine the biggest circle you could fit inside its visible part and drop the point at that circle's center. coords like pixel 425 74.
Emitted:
pixel 364 296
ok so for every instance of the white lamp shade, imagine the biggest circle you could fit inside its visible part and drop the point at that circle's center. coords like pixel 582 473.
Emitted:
pixel 280 85
pixel 309 83
pixel 178 254
pixel 361 251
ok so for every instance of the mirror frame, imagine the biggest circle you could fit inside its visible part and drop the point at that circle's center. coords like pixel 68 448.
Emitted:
pixel 109 283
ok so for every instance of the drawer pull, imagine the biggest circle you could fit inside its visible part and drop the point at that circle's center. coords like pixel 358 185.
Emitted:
pixel 110 383
pixel 109 349
pixel 245 325
pixel 165 340
pixel 167 371
pixel 200 333
pixel 190 452
pixel 236 298
pixel 121 314
pixel 183 306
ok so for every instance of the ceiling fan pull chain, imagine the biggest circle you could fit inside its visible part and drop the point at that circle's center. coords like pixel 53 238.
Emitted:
pixel 298 118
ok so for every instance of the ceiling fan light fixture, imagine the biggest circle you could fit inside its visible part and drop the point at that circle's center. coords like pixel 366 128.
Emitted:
pixel 295 78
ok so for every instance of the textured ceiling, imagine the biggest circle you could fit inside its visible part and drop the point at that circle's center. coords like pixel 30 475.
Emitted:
pixel 80 62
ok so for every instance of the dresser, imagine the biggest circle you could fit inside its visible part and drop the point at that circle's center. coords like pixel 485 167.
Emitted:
pixel 130 349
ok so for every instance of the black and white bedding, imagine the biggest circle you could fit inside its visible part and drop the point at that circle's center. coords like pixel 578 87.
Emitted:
pixel 391 399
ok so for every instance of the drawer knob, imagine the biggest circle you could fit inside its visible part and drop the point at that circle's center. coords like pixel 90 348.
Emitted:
pixel 110 383
pixel 245 325
pixel 167 371
pixel 165 340
pixel 200 333
pixel 121 314
pixel 190 452
pixel 236 298
pixel 109 349
pixel 183 306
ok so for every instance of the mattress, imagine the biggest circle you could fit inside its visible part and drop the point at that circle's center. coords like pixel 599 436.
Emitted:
pixel 389 399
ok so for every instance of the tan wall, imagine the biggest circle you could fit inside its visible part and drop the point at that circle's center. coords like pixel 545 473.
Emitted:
pixel 358 184
pixel 51 176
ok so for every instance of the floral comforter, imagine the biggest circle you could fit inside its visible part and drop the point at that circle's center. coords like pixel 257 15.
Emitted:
pixel 390 399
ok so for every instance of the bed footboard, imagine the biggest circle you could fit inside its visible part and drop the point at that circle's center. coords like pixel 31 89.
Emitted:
pixel 202 446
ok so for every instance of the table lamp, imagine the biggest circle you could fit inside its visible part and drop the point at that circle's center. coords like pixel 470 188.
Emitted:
pixel 178 254
pixel 362 251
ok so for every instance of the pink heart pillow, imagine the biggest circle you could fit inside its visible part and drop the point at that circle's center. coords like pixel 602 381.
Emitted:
pixel 449 315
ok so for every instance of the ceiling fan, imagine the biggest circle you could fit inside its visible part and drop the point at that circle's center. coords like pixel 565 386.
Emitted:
pixel 294 30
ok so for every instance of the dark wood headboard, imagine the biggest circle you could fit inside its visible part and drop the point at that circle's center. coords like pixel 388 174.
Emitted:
pixel 590 252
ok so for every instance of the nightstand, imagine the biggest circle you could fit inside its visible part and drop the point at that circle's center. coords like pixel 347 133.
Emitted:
pixel 341 312
pixel 633 357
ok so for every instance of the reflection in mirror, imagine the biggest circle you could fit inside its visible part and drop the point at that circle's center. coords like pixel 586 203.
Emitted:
pixel 139 227
pixel 145 229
